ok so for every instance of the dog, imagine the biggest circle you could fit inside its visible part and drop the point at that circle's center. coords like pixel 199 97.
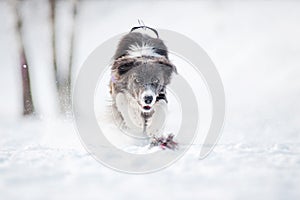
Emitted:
pixel 140 72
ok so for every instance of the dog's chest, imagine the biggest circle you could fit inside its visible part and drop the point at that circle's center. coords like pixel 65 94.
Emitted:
pixel 134 120
pixel 130 112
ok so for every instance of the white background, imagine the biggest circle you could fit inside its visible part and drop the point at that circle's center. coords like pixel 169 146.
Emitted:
pixel 255 46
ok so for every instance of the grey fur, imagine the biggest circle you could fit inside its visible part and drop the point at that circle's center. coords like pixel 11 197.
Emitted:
pixel 140 39
pixel 134 75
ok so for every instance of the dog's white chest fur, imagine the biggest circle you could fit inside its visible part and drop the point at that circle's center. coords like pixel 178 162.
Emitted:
pixel 133 120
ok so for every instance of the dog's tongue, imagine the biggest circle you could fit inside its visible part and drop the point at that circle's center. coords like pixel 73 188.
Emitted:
pixel 147 107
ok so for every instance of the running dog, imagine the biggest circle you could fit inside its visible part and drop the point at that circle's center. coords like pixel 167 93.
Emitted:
pixel 140 72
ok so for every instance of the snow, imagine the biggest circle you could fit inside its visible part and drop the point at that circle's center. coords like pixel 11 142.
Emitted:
pixel 255 46
pixel 41 169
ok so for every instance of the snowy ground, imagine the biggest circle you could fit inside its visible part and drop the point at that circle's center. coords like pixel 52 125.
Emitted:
pixel 255 46
pixel 34 166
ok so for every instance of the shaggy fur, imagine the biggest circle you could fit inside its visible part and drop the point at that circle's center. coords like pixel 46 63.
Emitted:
pixel 140 72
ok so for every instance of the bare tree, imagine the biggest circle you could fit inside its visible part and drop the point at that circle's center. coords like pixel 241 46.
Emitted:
pixel 54 56
pixel 74 16
pixel 28 107
pixel 63 83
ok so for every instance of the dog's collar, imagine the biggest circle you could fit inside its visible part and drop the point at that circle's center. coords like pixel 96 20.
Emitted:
pixel 145 27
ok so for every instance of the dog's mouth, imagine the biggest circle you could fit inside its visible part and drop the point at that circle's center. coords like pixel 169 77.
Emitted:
pixel 147 108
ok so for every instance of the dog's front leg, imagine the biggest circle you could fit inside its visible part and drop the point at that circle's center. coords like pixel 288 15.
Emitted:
pixel 130 114
pixel 156 123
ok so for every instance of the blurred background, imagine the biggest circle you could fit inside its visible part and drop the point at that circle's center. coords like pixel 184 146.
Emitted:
pixel 255 46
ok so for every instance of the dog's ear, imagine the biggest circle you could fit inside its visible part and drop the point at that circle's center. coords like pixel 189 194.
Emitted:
pixel 168 69
pixel 168 66
pixel 173 67
pixel 124 68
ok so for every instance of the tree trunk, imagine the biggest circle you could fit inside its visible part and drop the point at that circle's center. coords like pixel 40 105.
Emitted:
pixel 63 82
pixel 58 81
pixel 74 15
pixel 28 107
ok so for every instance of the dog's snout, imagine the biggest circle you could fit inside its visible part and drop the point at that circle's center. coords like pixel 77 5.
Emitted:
pixel 148 99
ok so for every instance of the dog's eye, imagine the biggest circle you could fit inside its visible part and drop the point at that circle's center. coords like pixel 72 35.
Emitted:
pixel 137 80
pixel 155 81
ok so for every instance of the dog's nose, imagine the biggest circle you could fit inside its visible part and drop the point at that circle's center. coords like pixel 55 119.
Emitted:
pixel 148 99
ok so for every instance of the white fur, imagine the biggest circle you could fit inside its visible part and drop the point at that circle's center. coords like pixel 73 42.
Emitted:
pixel 130 112
pixel 133 121
pixel 145 50
pixel 147 92
pixel 158 119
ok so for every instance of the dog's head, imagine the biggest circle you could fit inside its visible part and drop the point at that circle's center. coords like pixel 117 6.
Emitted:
pixel 142 69
pixel 143 78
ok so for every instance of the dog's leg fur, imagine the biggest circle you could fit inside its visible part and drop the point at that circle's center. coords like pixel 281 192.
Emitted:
pixel 136 122
pixel 130 114
pixel 155 124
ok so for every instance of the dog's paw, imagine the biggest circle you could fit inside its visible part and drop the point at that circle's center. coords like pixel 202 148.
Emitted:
pixel 164 142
